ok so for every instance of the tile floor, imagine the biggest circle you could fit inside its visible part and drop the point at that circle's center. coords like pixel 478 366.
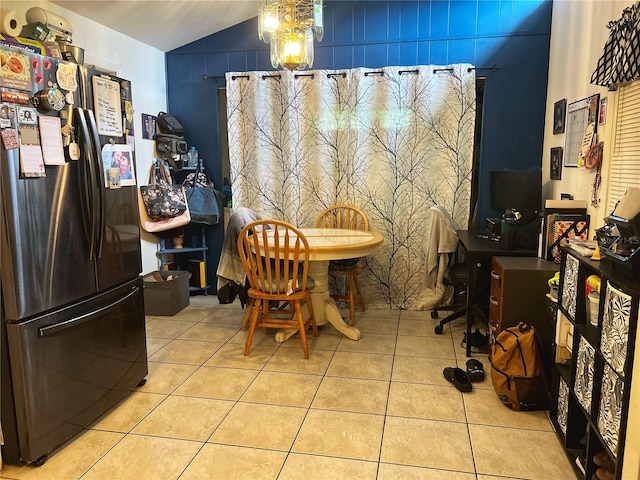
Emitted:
pixel 378 408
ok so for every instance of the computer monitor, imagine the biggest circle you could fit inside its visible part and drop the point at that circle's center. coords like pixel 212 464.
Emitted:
pixel 516 189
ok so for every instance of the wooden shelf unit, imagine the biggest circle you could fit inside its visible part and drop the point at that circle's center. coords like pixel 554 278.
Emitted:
pixel 591 392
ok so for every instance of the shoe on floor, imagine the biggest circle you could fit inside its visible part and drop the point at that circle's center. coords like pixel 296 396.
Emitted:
pixel 458 377
pixel 605 474
pixel 475 370
pixel 602 459
pixel 479 342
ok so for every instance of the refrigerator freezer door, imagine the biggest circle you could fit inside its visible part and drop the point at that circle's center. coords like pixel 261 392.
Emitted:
pixel 45 250
pixel 71 366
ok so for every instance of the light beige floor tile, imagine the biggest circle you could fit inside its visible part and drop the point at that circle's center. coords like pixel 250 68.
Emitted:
pixel 421 327
pixel 491 477
pixel 415 315
pixel 186 418
pixel 427 443
pixel 340 434
pixel 124 416
pixel 370 343
pixel 189 352
pixel 165 377
pixel 292 360
pixel 432 402
pixel 312 467
pixel 389 471
pixel 352 395
pixel 374 312
pixel 217 382
pixel 260 339
pixel 156 344
pixel 210 332
pixel 544 457
pixel 280 388
pixel 143 457
pixel 370 324
pixel 262 426
pixel 361 365
pixel 70 461
pixel 210 301
pixel 328 339
pixel 226 462
pixel 168 327
pixel 226 315
pixel 484 407
pixel 232 355
pixel 421 370
pixel 193 313
pixel 432 347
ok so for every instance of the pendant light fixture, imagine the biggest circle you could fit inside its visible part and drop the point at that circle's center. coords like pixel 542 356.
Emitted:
pixel 289 27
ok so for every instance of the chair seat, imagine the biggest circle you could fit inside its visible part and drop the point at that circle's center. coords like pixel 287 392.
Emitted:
pixel 280 286
pixel 342 265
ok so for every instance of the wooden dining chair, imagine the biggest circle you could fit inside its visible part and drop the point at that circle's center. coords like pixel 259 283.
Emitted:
pixel 275 256
pixel 352 218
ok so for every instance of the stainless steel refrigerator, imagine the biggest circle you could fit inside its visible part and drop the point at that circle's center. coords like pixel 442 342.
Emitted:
pixel 73 332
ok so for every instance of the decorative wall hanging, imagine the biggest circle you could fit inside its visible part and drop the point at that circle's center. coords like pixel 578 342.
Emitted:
pixel 559 112
pixel 570 289
pixel 556 163
pixel 620 60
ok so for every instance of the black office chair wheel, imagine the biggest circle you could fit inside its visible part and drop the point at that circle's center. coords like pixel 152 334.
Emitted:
pixel 439 329
pixel 434 314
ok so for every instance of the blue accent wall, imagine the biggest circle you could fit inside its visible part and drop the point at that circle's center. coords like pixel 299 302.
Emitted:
pixel 513 34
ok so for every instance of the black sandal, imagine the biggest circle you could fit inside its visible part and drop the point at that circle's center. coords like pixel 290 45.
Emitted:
pixel 475 370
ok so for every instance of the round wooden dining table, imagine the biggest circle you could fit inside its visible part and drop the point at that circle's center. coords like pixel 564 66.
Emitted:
pixel 332 244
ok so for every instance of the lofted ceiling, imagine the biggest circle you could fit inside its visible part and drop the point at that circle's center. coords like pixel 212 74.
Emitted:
pixel 164 24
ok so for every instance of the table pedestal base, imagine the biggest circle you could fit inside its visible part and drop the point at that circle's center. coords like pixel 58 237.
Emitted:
pixel 325 309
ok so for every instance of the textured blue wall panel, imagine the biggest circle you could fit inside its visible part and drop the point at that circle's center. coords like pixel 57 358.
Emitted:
pixel 511 33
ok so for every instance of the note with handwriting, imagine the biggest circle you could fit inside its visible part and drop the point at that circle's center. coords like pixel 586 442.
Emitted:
pixel 107 106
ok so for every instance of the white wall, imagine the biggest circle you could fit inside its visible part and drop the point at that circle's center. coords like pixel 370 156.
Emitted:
pixel 578 35
pixel 133 60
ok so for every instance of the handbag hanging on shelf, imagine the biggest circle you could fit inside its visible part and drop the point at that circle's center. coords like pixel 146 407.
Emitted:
pixel 161 197
pixel 147 222
pixel 201 197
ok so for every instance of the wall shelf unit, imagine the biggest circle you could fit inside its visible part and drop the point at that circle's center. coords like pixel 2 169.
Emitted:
pixel 191 257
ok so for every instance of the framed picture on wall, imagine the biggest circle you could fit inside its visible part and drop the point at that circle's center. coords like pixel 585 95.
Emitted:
pixel 555 172
pixel 559 112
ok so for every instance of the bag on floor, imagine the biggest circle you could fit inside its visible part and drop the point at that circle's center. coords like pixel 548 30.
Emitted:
pixel 517 372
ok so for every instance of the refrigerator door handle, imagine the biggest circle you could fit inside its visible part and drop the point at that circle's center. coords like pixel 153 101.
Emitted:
pixel 87 190
pixel 74 322
pixel 99 181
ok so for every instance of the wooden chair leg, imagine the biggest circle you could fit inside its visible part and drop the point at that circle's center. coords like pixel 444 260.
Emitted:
pixel 360 297
pixel 255 312
pixel 302 329
pixel 352 299
pixel 312 317
pixel 245 321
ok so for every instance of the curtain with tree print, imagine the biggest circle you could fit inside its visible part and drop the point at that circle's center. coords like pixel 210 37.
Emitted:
pixel 394 141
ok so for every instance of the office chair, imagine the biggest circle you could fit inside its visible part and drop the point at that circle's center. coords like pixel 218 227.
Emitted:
pixel 458 278
pixel 349 217
pixel 443 266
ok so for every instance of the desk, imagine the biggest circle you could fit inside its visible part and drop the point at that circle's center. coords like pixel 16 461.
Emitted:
pixel 332 244
pixel 480 250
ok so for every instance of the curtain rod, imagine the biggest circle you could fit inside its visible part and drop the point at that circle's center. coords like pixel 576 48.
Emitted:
pixel 495 68
pixel 381 73
pixel 211 77
pixel 235 77
pixel 341 74
pixel 277 76
pixel 298 75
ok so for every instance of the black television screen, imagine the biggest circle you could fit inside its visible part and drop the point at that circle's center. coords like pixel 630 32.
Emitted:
pixel 516 190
